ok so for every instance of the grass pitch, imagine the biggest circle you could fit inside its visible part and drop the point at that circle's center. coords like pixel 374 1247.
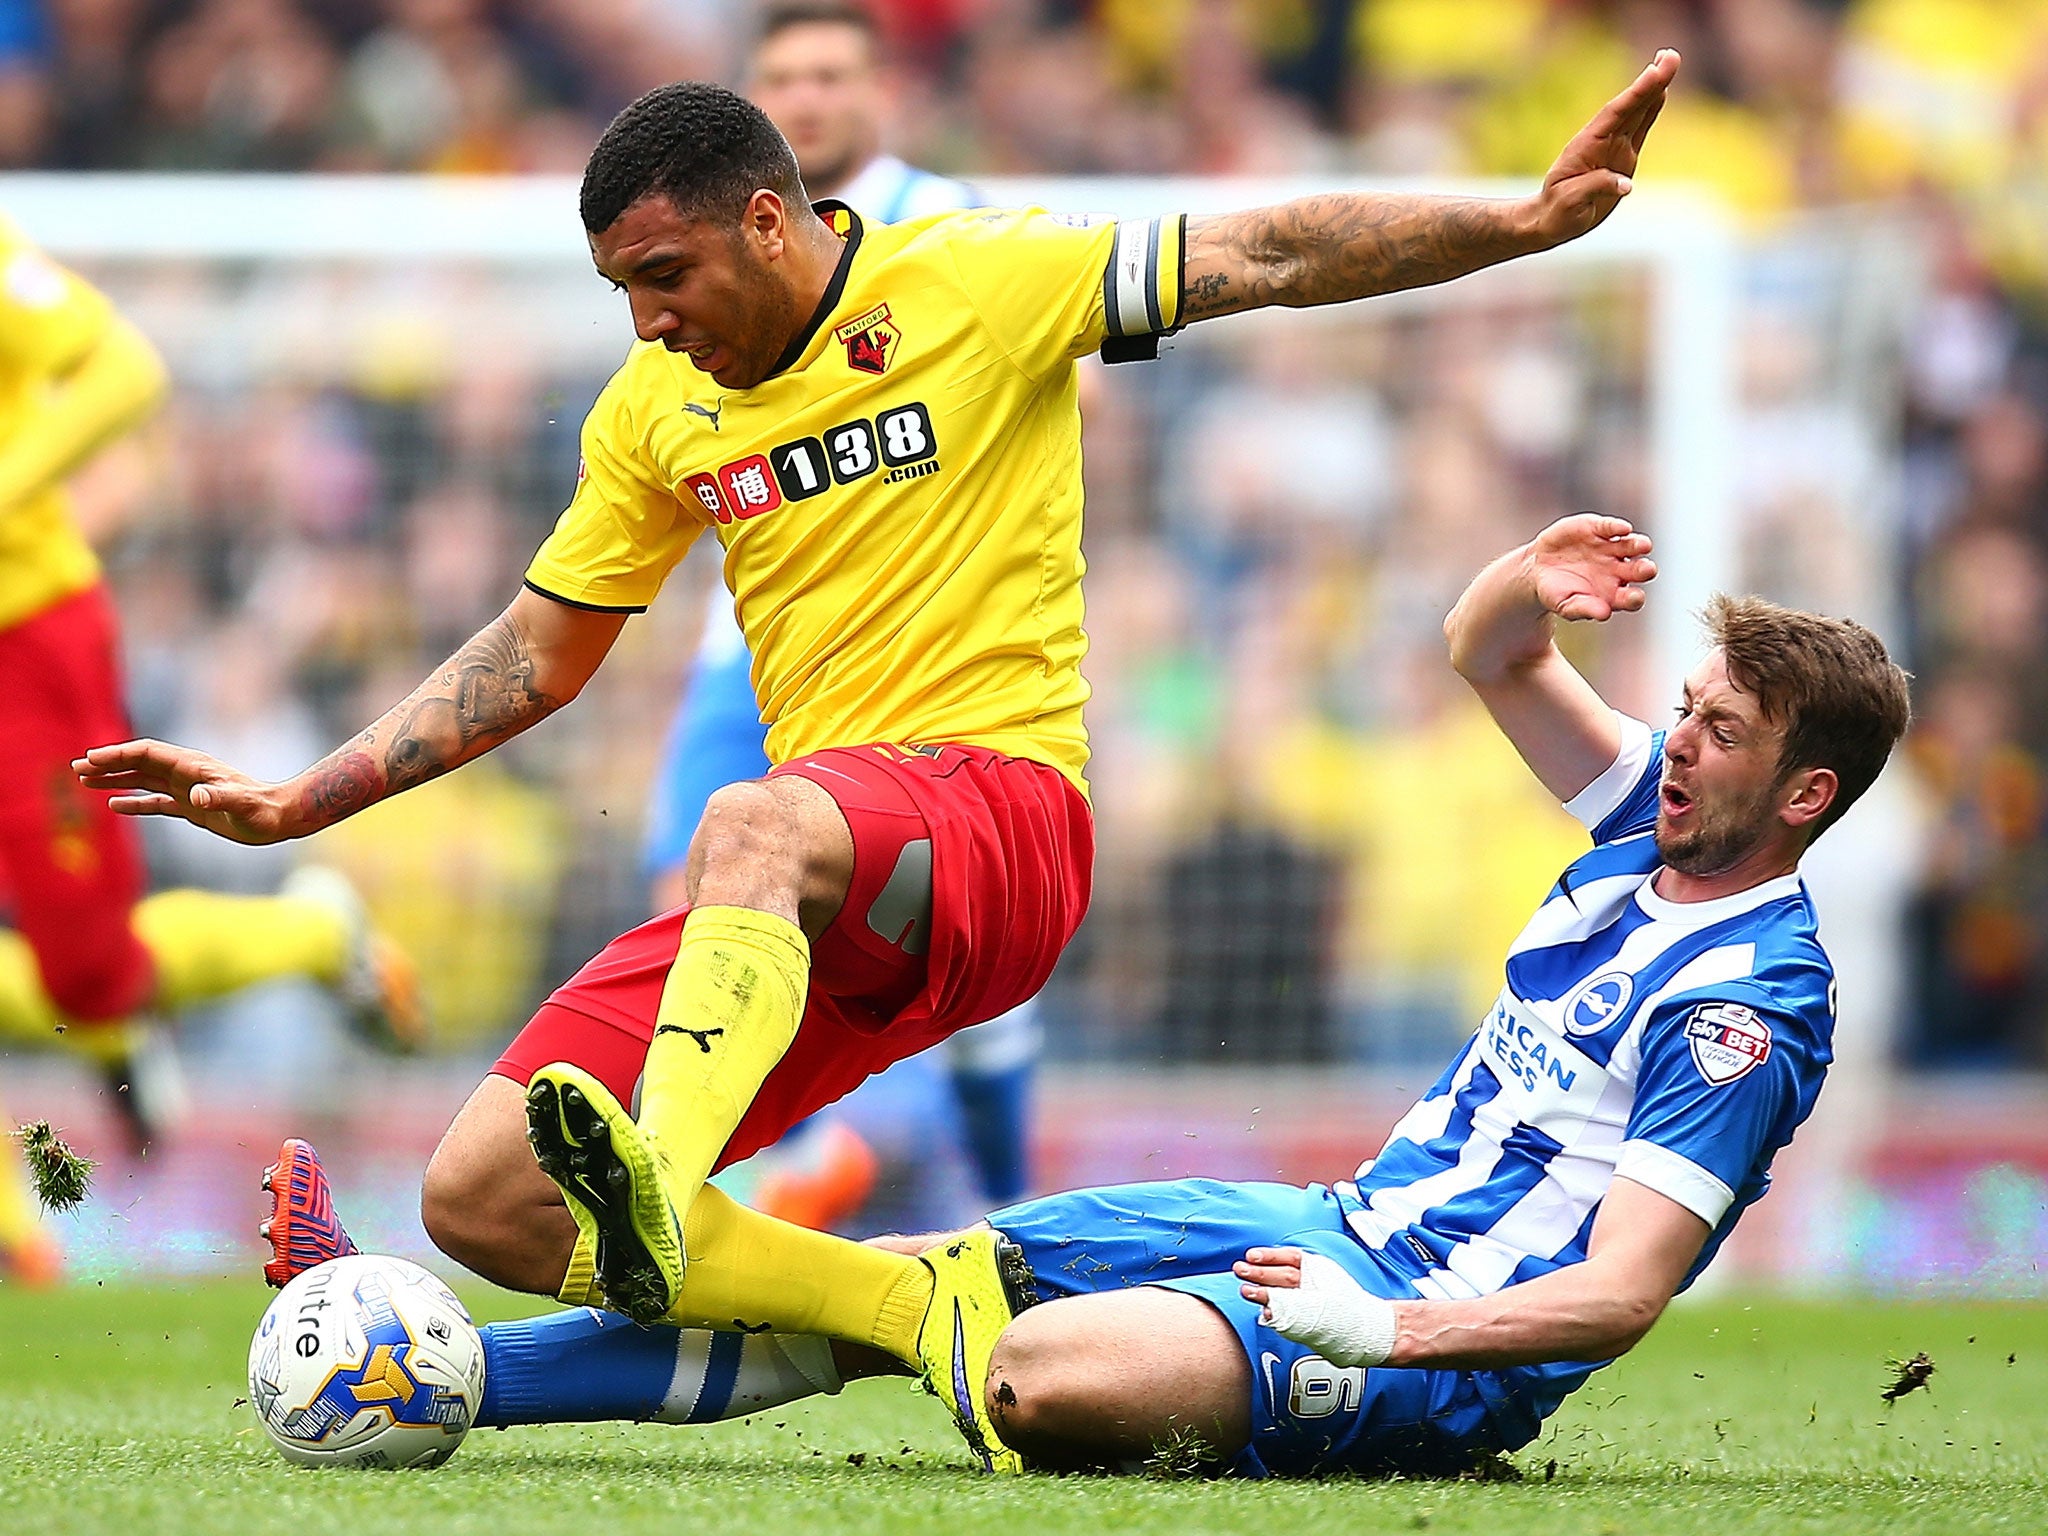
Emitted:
pixel 118 1412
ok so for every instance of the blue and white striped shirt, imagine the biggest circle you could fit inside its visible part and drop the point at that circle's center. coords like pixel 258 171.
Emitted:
pixel 1678 1045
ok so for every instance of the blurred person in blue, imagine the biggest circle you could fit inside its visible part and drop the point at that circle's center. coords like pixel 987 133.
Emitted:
pixel 25 49
pixel 1663 1029
pixel 818 72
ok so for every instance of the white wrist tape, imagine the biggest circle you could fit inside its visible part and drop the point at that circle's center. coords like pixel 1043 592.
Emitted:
pixel 1334 1315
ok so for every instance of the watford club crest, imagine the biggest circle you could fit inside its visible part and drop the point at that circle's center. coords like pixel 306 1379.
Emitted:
pixel 870 340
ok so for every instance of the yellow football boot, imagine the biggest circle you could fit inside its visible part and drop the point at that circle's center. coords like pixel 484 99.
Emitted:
pixel 980 1282
pixel 609 1172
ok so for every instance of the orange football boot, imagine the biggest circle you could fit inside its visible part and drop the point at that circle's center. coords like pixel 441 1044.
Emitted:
pixel 302 1229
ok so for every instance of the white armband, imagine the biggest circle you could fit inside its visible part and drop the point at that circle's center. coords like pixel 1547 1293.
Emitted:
pixel 1334 1315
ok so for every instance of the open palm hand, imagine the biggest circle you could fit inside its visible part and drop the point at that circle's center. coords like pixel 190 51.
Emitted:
pixel 155 778
pixel 1591 567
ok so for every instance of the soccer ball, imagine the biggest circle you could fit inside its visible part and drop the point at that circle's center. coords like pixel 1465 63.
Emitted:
pixel 366 1361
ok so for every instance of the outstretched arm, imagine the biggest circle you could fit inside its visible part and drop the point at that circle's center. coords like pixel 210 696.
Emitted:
pixel 514 672
pixel 1643 1244
pixel 1502 640
pixel 1326 250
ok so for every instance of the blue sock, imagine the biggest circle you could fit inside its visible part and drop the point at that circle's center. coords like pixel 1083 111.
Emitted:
pixel 584 1366
pixel 576 1367
pixel 996 1107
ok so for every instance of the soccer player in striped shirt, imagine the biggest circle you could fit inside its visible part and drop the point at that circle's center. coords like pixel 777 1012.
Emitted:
pixel 879 425
pixel 818 72
pixel 1662 1029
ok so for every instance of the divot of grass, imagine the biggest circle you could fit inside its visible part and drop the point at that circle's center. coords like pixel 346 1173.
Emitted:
pixel 62 1178
pixel 1180 1452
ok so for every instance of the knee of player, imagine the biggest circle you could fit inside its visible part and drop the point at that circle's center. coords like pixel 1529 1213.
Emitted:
pixel 1035 1383
pixel 743 823
pixel 458 1209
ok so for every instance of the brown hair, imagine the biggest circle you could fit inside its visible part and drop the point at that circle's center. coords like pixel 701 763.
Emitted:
pixel 808 13
pixel 1842 700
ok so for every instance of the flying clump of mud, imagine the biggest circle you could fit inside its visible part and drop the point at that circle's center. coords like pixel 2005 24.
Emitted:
pixel 1907 1376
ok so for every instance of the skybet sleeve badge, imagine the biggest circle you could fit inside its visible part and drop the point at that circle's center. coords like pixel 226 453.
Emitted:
pixel 870 340
pixel 1727 1040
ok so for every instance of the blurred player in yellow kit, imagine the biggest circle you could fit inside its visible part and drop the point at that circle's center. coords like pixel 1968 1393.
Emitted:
pixel 85 957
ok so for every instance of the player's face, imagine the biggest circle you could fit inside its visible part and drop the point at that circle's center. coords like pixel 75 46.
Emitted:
pixel 715 293
pixel 1722 788
pixel 820 85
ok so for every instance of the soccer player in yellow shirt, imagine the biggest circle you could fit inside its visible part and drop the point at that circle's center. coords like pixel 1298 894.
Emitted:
pixel 80 953
pixel 879 426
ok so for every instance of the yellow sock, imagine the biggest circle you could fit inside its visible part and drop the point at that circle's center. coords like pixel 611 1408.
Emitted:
pixel 730 1008
pixel 207 945
pixel 26 1012
pixel 17 1206
pixel 203 945
pixel 746 1270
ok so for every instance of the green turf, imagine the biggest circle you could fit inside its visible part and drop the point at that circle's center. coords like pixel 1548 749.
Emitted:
pixel 118 1412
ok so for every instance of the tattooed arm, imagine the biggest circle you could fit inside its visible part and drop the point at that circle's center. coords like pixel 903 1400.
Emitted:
pixel 1325 250
pixel 517 670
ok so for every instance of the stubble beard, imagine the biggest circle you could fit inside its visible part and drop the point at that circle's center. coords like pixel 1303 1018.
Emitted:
pixel 772 323
pixel 1722 836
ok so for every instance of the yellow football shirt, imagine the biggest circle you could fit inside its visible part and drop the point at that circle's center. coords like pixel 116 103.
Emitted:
pixel 900 503
pixel 49 319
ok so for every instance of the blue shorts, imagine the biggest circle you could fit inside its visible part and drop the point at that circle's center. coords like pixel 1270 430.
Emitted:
pixel 1308 1416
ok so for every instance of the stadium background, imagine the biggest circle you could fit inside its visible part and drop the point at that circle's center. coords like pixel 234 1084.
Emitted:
pixel 1313 853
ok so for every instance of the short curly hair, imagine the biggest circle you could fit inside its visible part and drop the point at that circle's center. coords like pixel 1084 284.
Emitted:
pixel 704 148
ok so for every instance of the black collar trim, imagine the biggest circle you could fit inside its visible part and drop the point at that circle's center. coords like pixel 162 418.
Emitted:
pixel 845 223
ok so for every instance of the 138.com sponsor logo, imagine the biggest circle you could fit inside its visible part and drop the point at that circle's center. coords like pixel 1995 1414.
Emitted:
pixel 899 441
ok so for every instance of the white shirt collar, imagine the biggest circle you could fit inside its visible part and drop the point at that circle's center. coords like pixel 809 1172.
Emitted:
pixel 1698 914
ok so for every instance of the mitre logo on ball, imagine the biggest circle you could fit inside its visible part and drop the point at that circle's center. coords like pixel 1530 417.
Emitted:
pixel 870 340
pixel 1727 1040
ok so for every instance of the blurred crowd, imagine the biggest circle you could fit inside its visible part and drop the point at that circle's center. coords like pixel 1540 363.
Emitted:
pixel 1788 101
pixel 1311 846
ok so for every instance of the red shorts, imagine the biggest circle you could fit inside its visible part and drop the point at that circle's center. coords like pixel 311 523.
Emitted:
pixel 1010 848
pixel 70 869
